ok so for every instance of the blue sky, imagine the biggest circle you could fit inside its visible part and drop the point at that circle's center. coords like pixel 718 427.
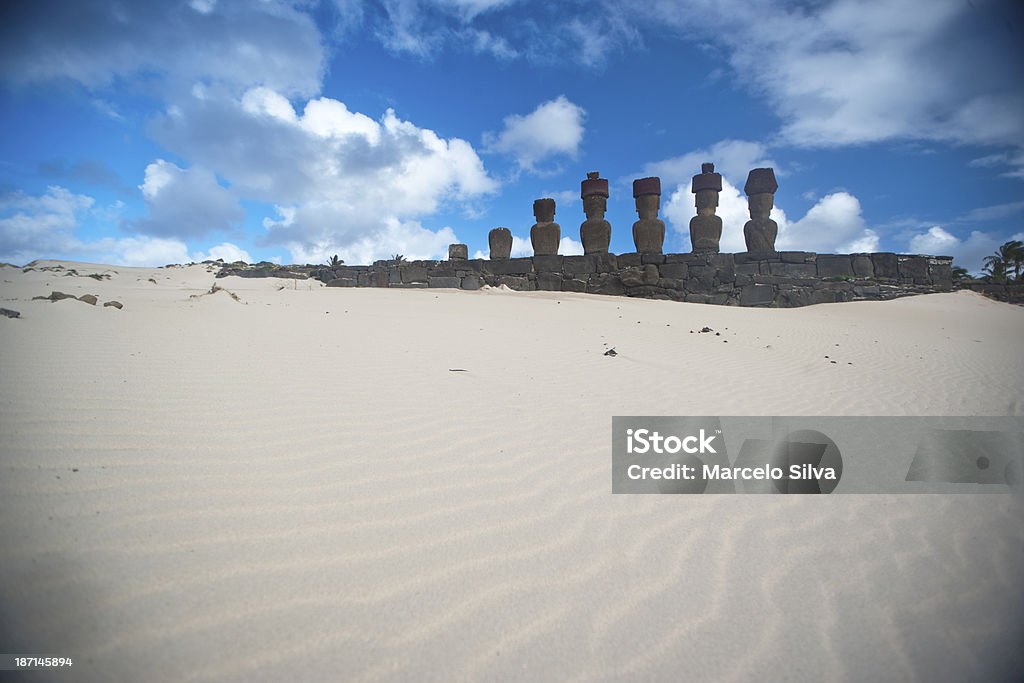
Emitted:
pixel 153 133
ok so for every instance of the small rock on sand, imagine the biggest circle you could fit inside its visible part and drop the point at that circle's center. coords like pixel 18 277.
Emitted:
pixel 115 304
pixel 89 299
pixel 8 313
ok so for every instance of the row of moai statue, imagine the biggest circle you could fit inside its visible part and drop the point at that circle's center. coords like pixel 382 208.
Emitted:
pixel 649 231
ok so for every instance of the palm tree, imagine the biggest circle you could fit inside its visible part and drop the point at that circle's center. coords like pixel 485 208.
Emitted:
pixel 1012 253
pixel 995 268
pixel 334 262
pixel 960 273
pixel 397 258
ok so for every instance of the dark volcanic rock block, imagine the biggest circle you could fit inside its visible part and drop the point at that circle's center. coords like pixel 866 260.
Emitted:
pixel 674 270
pixel 798 270
pixel 379 278
pixel 862 266
pixel 886 265
pixel 342 282
pixel 547 263
pixel 411 273
pixel 549 282
pixel 574 285
pixel 914 268
pixel 606 283
pixel 941 273
pixel 471 282
pixel 797 256
pixel 514 266
pixel 832 265
pixel 652 258
pixel 458 252
pixel 519 283
pixel 448 282
pixel 628 260
pixel 579 265
pixel 757 295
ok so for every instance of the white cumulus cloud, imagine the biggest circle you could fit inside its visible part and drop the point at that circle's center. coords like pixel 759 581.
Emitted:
pixel 554 128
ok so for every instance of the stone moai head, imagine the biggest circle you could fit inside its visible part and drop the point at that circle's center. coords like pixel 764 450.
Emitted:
pixel 760 231
pixel 594 193
pixel 544 210
pixel 761 204
pixel 706 186
pixel 500 242
pixel 458 252
pixel 761 181
pixel 647 193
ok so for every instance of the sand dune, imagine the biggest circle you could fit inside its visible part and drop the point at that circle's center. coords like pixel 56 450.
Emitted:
pixel 293 483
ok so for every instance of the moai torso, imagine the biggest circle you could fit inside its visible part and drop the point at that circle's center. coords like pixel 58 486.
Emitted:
pixel 500 241
pixel 649 231
pixel 760 231
pixel 545 234
pixel 706 227
pixel 595 232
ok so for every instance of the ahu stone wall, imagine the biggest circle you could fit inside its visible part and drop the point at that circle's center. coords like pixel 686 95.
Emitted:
pixel 782 279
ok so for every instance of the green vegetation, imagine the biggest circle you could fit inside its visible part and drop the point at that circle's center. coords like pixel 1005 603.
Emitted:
pixel 1009 257
pixel 334 262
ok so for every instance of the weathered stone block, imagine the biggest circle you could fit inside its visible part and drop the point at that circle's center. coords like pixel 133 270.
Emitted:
pixel 862 266
pixel 795 270
pixel 605 283
pixel 886 265
pixel 606 263
pixel 651 257
pixel 867 291
pixel 517 282
pixel 671 283
pixel 342 282
pixel 743 280
pixel 579 265
pixel 757 295
pixel 549 282
pixel 513 266
pixel 413 273
pixel 791 298
pixel 914 268
pixel 548 263
pixel 410 285
pixel 574 285
pixel 834 265
pixel 458 252
pixel 797 256
pixel 441 270
pixel 394 275
pixel 824 296
pixel 450 282
pixel 697 298
pixel 674 270
pixel 628 260
pixel 749 268
pixel 471 282
pixel 379 278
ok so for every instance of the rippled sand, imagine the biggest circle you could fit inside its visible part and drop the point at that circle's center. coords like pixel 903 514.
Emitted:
pixel 295 485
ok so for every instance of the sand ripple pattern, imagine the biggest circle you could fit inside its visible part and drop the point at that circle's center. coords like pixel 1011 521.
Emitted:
pixel 255 493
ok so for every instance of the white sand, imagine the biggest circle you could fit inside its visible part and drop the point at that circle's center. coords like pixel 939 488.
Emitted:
pixel 296 487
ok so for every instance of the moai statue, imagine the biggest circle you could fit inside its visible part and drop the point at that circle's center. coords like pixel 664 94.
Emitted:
pixel 458 252
pixel 760 231
pixel 649 231
pixel 545 234
pixel 596 232
pixel 706 227
pixel 500 241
